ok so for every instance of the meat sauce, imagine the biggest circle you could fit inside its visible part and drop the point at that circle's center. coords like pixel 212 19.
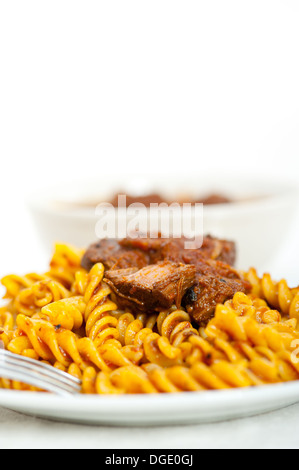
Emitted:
pixel 149 275
pixel 149 199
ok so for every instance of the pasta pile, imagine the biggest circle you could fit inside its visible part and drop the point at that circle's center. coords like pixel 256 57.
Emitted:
pixel 68 318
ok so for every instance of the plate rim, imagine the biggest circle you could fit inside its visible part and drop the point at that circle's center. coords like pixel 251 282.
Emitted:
pixel 161 400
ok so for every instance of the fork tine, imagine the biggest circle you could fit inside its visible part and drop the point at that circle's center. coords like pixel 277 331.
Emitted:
pixel 36 381
pixel 46 369
pixel 35 363
pixel 43 373
pixel 36 373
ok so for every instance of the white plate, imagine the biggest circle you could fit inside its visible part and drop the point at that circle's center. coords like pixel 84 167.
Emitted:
pixel 143 410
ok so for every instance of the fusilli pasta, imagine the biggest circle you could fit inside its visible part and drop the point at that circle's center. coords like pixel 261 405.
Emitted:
pixel 67 318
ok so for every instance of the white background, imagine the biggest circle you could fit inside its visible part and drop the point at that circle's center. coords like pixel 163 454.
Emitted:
pixel 95 87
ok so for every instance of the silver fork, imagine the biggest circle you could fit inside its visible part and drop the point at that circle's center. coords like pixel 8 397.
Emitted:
pixel 38 374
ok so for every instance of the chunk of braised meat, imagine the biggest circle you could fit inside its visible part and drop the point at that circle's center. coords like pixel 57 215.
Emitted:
pixel 143 243
pixel 210 267
pixel 151 274
pixel 154 198
pixel 174 249
pixel 113 256
pixel 146 200
pixel 216 283
pixel 152 288
pixel 215 199
pixel 220 250
pixel 141 252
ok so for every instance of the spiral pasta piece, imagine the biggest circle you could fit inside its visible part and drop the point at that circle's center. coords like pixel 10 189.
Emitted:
pixel 148 321
pixel 31 300
pixel 176 326
pixel 7 324
pixel 265 349
pixel 8 384
pixel 100 324
pixel 67 313
pixel 142 344
pixel 155 379
pixel 130 379
pixel 14 283
pixel 7 321
pixel 65 263
pixel 103 322
pixel 57 345
pixel 278 295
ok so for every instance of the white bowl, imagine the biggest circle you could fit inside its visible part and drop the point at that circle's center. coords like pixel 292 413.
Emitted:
pixel 258 221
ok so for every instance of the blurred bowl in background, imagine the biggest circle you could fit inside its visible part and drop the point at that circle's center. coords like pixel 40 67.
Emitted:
pixel 258 218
